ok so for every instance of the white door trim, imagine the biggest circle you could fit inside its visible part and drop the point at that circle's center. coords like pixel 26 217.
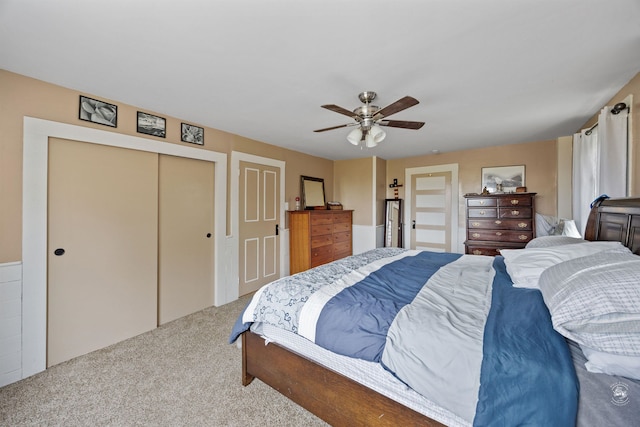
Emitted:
pixel 236 158
pixel 455 194
pixel 34 219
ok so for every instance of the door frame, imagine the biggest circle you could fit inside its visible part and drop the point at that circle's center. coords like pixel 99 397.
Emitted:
pixel 34 219
pixel 455 195
pixel 236 158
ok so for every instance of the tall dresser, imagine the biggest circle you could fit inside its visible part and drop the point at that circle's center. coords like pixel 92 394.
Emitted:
pixel 499 221
pixel 317 237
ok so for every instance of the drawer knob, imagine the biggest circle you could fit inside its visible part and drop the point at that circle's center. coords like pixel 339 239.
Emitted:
pixel 498 233
pixel 498 222
pixel 475 235
pixel 522 224
pixel 477 252
pixel 482 212
pixel 475 224
pixel 515 213
pixel 523 237
pixel 514 201
pixel 482 202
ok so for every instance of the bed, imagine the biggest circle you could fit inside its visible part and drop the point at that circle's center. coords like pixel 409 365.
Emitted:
pixel 501 347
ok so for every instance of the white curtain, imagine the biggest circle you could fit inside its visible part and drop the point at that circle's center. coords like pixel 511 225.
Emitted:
pixel 612 131
pixel 585 175
pixel 600 163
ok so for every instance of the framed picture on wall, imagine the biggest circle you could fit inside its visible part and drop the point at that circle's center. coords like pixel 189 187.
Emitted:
pixel 152 125
pixel 95 111
pixel 503 179
pixel 192 134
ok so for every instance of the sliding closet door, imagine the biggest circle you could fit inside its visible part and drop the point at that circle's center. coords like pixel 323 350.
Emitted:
pixel 102 247
pixel 186 241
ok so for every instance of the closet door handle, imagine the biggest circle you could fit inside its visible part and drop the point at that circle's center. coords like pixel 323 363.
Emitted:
pixel 58 252
pixel 208 235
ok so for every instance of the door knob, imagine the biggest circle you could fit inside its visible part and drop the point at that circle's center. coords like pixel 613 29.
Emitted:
pixel 208 235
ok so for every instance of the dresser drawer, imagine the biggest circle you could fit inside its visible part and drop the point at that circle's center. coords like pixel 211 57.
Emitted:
pixel 518 212
pixel 500 235
pixel 514 201
pixel 321 219
pixel 320 229
pixel 343 217
pixel 481 202
pixel 323 240
pixel 482 213
pixel 500 224
pixel 345 236
pixel 341 227
pixel 342 248
pixel 321 255
pixel 481 250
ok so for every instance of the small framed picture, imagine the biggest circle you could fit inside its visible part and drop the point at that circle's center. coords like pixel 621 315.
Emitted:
pixel 95 111
pixel 503 179
pixel 192 134
pixel 152 125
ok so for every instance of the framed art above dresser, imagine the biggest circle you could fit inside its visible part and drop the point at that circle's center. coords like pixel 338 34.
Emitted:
pixel 499 221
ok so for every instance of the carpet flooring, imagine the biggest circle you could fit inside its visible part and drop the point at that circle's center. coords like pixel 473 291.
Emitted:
pixel 183 373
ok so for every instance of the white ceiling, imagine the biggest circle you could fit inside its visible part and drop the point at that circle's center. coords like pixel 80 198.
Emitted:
pixel 486 72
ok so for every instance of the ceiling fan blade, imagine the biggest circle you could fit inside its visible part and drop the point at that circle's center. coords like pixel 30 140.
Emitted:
pixel 397 106
pixel 335 127
pixel 401 124
pixel 340 110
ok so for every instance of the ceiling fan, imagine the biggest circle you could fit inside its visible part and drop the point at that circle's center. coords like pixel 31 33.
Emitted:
pixel 369 118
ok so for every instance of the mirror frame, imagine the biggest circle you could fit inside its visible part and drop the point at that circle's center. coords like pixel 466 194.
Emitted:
pixel 390 227
pixel 312 191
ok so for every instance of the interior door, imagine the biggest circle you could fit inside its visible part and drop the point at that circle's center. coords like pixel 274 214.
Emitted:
pixel 431 211
pixel 259 209
pixel 102 247
pixel 185 237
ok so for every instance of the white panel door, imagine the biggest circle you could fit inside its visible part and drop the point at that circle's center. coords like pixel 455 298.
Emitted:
pixel 259 208
pixel 431 211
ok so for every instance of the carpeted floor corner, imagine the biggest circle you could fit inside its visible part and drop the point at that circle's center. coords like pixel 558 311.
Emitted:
pixel 183 373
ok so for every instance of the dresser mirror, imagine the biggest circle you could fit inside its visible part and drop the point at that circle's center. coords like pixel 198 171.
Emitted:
pixel 312 190
pixel 393 223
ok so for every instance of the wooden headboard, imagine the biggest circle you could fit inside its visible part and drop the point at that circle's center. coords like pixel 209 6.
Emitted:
pixel 616 220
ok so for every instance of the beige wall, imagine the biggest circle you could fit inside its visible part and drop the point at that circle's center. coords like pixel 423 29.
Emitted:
pixel 539 159
pixel 23 96
pixel 381 189
pixel 353 187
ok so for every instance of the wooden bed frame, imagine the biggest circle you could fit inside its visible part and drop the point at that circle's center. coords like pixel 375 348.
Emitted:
pixel 341 401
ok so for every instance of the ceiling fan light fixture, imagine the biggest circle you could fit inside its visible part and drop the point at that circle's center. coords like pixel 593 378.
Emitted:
pixel 355 136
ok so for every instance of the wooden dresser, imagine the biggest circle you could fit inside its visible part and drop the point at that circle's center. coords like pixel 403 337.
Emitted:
pixel 499 221
pixel 317 237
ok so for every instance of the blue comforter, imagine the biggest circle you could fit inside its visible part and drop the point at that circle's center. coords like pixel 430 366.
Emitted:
pixel 526 375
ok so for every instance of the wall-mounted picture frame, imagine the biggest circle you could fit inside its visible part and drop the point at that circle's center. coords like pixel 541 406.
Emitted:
pixel 503 179
pixel 152 125
pixel 192 134
pixel 96 111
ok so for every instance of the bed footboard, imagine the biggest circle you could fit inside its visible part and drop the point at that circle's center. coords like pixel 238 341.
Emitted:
pixel 331 396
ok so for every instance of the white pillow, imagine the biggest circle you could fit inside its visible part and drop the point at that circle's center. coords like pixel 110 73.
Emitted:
pixel 601 362
pixel 567 227
pixel 526 265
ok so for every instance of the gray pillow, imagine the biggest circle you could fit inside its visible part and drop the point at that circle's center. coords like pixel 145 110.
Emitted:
pixel 595 301
pixel 549 241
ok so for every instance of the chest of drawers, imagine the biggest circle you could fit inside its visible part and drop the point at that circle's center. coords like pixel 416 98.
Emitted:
pixel 317 237
pixel 499 221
